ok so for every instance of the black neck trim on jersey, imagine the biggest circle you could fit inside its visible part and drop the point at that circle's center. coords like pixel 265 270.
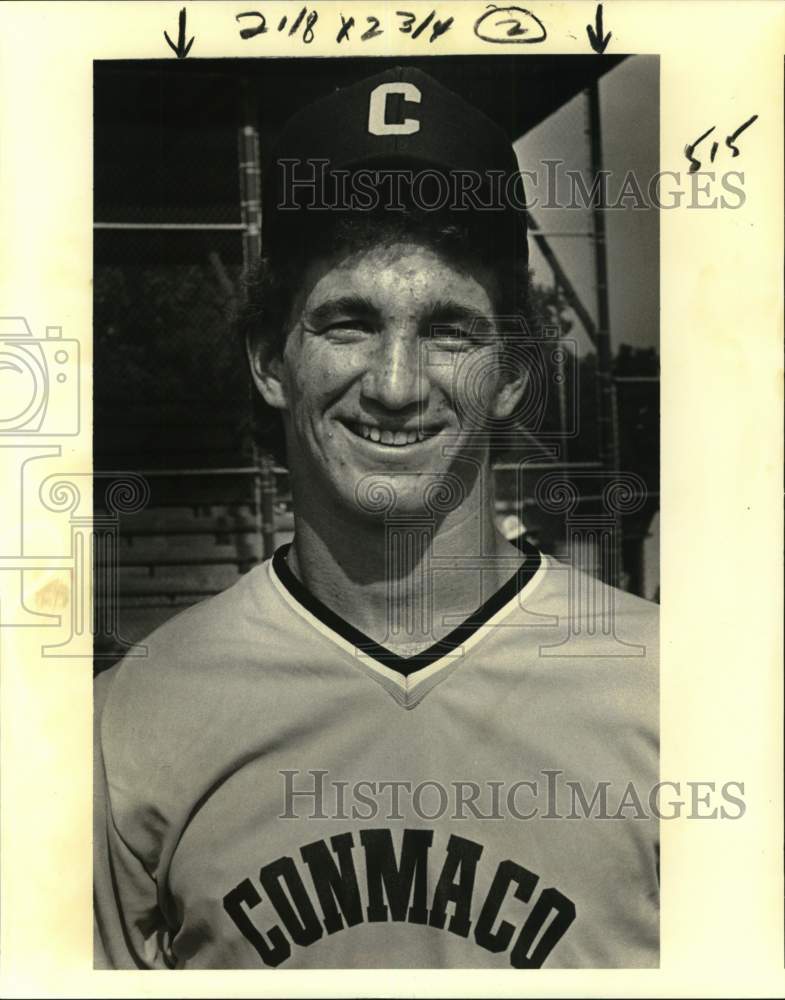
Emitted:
pixel 408 664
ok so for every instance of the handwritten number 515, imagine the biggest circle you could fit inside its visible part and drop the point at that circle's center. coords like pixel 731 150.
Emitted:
pixel 730 142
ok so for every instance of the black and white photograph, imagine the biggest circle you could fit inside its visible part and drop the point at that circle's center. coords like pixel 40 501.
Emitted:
pixel 380 339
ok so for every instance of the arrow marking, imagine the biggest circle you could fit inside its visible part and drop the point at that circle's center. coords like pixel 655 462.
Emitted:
pixel 181 50
pixel 597 40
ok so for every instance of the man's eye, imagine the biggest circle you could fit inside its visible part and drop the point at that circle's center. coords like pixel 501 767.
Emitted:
pixel 347 327
pixel 452 339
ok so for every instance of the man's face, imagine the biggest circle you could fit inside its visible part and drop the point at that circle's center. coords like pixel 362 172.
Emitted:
pixel 381 376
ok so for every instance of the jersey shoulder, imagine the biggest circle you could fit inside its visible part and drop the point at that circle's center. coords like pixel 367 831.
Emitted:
pixel 183 677
pixel 600 645
pixel 586 606
pixel 183 705
pixel 203 637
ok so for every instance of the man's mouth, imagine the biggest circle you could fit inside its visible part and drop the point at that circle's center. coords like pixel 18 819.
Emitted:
pixel 399 438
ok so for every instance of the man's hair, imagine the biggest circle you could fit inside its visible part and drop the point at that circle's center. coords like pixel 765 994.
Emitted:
pixel 468 242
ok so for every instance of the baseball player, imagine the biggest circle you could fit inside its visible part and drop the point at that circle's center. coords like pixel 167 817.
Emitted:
pixel 403 741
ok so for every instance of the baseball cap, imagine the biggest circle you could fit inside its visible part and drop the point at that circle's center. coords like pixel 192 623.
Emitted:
pixel 397 137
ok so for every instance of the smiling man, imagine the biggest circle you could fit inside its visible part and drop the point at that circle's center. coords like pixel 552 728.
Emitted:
pixel 401 741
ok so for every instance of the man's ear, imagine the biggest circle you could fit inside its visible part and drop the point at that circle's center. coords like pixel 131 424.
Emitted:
pixel 510 392
pixel 267 371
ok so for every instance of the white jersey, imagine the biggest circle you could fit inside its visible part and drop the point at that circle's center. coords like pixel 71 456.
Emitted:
pixel 274 790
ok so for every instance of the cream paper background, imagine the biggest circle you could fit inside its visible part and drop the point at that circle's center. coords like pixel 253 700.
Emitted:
pixel 722 377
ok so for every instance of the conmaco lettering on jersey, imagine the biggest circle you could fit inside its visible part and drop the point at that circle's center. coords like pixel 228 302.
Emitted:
pixel 328 898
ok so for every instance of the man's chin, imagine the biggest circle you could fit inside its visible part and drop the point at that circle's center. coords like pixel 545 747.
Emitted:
pixel 397 493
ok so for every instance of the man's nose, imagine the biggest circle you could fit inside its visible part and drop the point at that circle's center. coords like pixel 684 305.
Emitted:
pixel 396 376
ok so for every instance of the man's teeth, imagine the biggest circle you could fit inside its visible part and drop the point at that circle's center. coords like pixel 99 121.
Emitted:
pixel 395 438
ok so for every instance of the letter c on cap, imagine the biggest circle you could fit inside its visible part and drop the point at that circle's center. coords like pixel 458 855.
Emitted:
pixel 377 109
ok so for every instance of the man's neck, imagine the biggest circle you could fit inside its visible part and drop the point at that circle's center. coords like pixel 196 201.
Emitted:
pixel 405 585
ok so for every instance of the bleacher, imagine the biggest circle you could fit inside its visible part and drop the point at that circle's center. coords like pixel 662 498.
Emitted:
pixel 211 512
pixel 200 531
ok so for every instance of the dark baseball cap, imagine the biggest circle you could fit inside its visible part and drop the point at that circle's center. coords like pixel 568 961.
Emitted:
pixel 447 153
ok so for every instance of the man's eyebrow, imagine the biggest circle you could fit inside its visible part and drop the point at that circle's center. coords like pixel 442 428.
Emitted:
pixel 352 305
pixel 449 311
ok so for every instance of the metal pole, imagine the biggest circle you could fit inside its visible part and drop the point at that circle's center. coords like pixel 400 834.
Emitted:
pixel 560 358
pixel 561 278
pixel 250 178
pixel 251 215
pixel 607 421
pixel 267 505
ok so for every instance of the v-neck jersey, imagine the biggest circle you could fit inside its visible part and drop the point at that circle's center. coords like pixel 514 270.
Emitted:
pixel 405 674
